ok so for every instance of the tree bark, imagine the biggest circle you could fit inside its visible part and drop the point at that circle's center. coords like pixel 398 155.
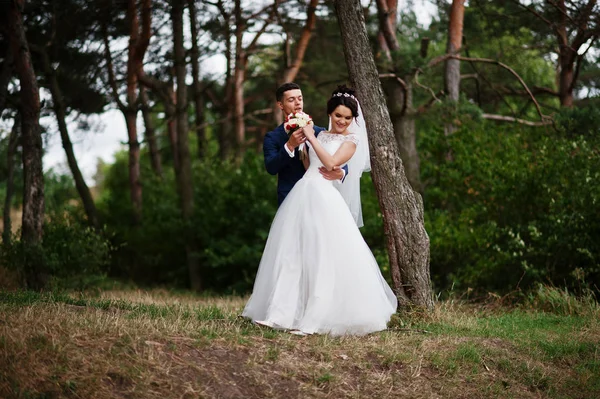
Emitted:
pixel 581 27
pixel 60 112
pixel 196 89
pixel 31 141
pixel 138 43
pixel 226 136
pixel 387 13
pixel 405 132
pixel 455 33
pixel 239 76
pixel 150 135
pixel 452 73
pixel 293 67
pixel 399 96
pixel 567 56
pixel 391 6
pixel 165 91
pixel 5 76
pixel 184 177
pixel 10 180
pixel 311 20
pixel 452 70
pixel 402 208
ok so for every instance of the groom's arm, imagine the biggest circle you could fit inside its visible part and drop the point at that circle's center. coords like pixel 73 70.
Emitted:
pixel 276 156
pixel 336 174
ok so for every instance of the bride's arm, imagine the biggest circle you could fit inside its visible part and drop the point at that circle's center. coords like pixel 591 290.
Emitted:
pixel 341 156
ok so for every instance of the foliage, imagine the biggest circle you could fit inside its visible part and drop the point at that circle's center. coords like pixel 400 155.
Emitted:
pixel 515 206
pixel 74 255
pixel 234 206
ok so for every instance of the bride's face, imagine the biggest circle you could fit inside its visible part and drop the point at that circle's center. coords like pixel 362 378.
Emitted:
pixel 341 118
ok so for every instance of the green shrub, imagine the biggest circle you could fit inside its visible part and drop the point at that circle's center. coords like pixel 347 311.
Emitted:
pixel 73 255
pixel 514 207
pixel 233 210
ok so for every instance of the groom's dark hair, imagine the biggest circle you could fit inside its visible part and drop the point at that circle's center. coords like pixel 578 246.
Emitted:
pixel 285 87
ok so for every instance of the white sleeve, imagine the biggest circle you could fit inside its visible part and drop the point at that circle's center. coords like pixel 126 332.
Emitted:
pixel 290 153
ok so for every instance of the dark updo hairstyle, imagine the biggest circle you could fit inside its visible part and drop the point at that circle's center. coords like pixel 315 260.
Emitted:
pixel 343 96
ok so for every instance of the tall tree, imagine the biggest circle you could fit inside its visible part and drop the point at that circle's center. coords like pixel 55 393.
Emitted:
pixel 294 61
pixel 6 73
pixel 139 38
pixel 455 33
pixel 10 168
pixel 226 135
pixel 242 53
pixel 237 53
pixel 31 141
pixel 196 87
pixel 575 25
pixel 60 111
pixel 149 133
pixel 184 177
pixel 399 91
pixel 402 207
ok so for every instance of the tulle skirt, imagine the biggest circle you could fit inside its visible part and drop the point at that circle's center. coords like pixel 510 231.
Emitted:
pixel 317 274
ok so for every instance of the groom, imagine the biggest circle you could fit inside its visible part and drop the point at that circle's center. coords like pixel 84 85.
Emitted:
pixel 281 152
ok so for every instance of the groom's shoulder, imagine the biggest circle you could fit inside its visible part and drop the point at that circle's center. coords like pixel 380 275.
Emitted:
pixel 275 131
pixel 275 134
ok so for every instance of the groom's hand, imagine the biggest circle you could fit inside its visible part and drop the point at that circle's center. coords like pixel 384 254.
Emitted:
pixel 296 139
pixel 334 174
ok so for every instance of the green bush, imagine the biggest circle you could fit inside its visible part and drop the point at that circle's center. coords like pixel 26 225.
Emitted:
pixel 73 255
pixel 233 209
pixel 516 206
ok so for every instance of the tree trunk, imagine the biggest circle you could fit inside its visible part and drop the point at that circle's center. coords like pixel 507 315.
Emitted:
pixel 135 182
pixel 402 208
pixel 386 13
pixel 31 141
pixel 150 135
pixel 452 75
pixel 292 69
pixel 391 9
pixel 238 110
pixel 184 177
pixel 566 59
pixel 10 180
pixel 196 89
pixel 455 33
pixel 405 132
pixel 239 76
pixel 226 137
pixel 5 76
pixel 60 111
pixel 565 85
pixel 399 97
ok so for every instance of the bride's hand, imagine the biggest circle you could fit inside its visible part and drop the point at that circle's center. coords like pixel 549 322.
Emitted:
pixel 309 131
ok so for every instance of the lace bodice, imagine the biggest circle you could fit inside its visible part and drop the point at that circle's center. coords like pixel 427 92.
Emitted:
pixel 330 142
pixel 326 138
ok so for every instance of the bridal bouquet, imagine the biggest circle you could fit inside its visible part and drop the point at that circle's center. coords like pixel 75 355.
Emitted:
pixel 295 121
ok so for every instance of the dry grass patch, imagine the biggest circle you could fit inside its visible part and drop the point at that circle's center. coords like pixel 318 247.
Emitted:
pixel 158 344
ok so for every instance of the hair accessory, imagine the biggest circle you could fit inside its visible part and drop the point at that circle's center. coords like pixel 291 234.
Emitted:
pixel 345 95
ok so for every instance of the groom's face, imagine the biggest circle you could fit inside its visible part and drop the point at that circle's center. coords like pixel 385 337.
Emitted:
pixel 291 102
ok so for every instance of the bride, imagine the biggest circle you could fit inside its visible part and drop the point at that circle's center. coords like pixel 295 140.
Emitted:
pixel 317 274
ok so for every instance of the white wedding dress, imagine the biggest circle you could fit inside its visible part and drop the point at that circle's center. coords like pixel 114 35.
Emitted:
pixel 317 274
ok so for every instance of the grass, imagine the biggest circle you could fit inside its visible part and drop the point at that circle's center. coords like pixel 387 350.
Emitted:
pixel 157 344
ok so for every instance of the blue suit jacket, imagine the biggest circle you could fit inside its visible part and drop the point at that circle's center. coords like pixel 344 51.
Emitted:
pixel 278 162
